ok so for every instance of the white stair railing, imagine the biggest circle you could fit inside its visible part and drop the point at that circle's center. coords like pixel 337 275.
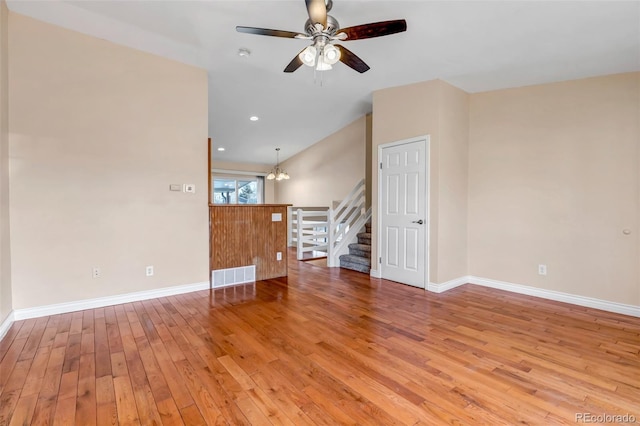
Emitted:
pixel 345 222
pixel 309 232
pixel 329 231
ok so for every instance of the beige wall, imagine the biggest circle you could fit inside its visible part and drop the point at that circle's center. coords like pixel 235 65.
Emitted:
pixel 400 113
pixel 259 169
pixel 453 180
pixel 554 179
pixel 5 253
pixel 545 174
pixel 439 110
pixel 327 171
pixel 98 132
pixel 93 134
pixel 368 165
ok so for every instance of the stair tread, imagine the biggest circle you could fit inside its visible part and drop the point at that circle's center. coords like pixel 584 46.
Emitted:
pixel 359 257
pixel 355 267
pixel 361 247
pixel 355 259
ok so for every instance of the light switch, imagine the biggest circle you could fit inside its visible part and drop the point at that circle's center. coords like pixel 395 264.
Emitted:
pixel 175 187
pixel 276 217
pixel 189 187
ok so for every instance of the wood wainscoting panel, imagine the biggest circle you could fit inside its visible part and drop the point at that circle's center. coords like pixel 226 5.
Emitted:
pixel 246 235
pixel 269 239
pixel 230 237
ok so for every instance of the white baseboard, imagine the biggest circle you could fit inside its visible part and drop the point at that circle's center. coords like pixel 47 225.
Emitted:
pixel 448 285
pixel 4 327
pixel 375 273
pixel 80 305
pixel 574 299
pixel 60 308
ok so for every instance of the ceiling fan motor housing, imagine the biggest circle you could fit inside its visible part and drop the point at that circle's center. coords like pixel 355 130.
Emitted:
pixel 332 27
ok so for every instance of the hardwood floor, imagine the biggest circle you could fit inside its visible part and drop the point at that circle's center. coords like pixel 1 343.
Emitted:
pixel 327 347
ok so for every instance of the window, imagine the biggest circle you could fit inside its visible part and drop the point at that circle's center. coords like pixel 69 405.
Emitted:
pixel 230 189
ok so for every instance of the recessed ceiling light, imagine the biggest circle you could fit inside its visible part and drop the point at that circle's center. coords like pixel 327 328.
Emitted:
pixel 221 149
pixel 244 52
pixel 254 118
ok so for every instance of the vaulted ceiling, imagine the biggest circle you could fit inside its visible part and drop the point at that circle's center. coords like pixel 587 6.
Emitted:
pixel 474 45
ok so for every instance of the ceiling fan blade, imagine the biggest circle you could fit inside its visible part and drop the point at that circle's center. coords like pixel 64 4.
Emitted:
pixel 317 11
pixel 375 29
pixel 350 59
pixel 268 32
pixel 295 63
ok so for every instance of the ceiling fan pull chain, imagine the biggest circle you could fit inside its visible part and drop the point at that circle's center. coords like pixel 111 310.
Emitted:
pixel 315 69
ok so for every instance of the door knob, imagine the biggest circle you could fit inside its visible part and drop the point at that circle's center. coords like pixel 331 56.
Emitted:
pixel 419 222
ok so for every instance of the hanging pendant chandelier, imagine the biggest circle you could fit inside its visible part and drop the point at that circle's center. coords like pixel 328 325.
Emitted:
pixel 277 173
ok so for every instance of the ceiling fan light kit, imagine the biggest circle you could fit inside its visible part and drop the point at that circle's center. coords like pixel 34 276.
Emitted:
pixel 331 54
pixel 308 56
pixel 324 30
pixel 321 59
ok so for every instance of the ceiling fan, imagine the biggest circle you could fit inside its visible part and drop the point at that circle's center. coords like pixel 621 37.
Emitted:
pixel 324 30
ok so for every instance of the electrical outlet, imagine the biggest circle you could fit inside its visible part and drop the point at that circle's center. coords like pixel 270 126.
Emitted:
pixel 189 187
pixel 279 255
pixel 96 272
pixel 542 269
pixel 149 270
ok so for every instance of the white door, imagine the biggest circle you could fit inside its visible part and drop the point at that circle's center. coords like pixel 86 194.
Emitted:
pixel 403 212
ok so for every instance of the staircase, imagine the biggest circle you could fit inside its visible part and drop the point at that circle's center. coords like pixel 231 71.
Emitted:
pixel 333 230
pixel 359 257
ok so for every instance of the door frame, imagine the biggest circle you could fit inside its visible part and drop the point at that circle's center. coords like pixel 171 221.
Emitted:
pixel 427 141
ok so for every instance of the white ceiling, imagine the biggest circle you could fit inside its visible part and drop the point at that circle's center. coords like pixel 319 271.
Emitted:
pixel 474 45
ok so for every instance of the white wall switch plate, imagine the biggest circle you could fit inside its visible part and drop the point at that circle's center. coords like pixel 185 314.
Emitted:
pixel 175 187
pixel 189 187
pixel 279 255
